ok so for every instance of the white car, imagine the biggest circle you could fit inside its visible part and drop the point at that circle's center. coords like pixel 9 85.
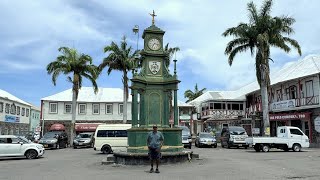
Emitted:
pixel 12 146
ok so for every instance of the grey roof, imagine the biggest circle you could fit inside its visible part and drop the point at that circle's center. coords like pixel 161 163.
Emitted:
pixel 86 94
pixel 307 66
pixel 6 95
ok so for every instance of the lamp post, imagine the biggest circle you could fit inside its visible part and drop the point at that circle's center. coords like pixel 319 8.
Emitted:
pixel 135 30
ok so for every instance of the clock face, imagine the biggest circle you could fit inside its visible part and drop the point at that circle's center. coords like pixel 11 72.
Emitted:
pixel 154 44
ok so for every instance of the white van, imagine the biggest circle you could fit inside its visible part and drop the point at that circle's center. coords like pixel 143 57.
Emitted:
pixel 109 137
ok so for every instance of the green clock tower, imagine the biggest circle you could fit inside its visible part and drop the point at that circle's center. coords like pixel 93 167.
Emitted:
pixel 154 87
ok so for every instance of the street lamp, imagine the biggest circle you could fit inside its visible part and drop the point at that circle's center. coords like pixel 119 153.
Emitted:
pixel 135 30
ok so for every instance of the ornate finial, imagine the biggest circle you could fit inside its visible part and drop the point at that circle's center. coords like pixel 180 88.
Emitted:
pixel 153 15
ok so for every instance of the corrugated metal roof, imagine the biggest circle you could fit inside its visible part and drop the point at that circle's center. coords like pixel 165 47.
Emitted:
pixel 6 95
pixel 86 94
pixel 307 66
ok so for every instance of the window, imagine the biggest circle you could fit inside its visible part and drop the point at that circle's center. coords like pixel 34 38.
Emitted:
pixel 235 107
pixel 82 108
pixel 53 107
pixel 279 95
pixel 7 109
pixel 109 108
pixel 68 108
pixel 23 111
pixel 211 106
pixel 27 112
pixel 13 109
pixel 309 88
pixel 217 106
pixel 95 108
pixel 120 108
pixel 293 92
pixel 18 110
pixel 1 106
pixel 112 133
pixel 296 132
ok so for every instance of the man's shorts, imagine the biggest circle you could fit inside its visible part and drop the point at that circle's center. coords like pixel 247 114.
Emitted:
pixel 154 154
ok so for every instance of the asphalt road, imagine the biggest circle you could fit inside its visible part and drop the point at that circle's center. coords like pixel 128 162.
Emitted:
pixel 246 164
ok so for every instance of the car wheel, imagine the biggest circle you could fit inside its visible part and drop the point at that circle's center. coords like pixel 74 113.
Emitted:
pixel 31 154
pixel 215 146
pixel 246 147
pixel 106 149
pixel 296 147
pixel 265 148
pixel 257 148
pixel 190 145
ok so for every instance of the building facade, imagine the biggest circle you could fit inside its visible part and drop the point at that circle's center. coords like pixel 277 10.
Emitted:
pixel 92 109
pixel 34 119
pixel 14 114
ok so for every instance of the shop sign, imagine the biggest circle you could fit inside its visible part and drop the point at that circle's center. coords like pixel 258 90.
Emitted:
pixel 317 124
pixel 283 105
pixel 255 130
pixel 277 117
pixel 85 127
pixel 11 119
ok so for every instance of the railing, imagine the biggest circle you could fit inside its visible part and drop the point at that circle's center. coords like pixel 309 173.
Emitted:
pixel 307 101
pixel 212 112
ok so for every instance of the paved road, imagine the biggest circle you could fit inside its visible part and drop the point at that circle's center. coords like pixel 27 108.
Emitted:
pixel 84 164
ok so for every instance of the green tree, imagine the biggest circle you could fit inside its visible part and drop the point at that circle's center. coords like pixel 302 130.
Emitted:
pixel 261 33
pixel 170 52
pixel 191 95
pixel 78 66
pixel 121 58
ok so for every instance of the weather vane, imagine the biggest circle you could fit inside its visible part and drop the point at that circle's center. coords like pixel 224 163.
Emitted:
pixel 153 15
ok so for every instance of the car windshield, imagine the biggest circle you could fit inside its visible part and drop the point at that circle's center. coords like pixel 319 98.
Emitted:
pixel 237 131
pixel 83 136
pixel 23 139
pixel 206 135
pixel 50 135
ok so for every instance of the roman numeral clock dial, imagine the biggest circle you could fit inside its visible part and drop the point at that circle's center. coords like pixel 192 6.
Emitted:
pixel 154 44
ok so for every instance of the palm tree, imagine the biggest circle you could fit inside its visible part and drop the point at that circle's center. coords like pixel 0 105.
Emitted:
pixel 121 58
pixel 193 95
pixel 79 66
pixel 170 52
pixel 261 33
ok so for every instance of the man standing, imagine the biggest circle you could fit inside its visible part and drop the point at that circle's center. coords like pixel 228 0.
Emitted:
pixel 154 142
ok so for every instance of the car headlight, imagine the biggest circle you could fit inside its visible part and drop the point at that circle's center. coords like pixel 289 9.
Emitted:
pixel 202 140
pixel 231 139
pixel 39 146
pixel 75 141
pixel 86 141
pixel 53 141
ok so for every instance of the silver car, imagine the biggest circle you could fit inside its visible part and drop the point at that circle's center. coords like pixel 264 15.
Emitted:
pixel 83 140
pixel 205 139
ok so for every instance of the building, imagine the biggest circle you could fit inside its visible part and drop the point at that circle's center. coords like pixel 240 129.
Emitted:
pixel 34 119
pixel 92 109
pixel 14 114
pixel 293 100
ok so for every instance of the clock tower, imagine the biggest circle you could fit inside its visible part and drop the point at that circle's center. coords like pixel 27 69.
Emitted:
pixel 154 87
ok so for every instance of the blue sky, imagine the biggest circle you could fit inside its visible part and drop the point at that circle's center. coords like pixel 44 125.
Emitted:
pixel 33 30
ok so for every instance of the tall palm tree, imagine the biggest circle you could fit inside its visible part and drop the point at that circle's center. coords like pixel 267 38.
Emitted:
pixel 79 66
pixel 170 52
pixel 261 33
pixel 191 95
pixel 121 58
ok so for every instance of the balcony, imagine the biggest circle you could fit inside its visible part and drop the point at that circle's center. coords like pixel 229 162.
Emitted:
pixel 221 114
pixel 294 103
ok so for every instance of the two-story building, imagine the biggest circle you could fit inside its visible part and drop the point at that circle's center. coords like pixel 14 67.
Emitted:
pixel 14 114
pixel 92 109
pixel 293 98
pixel 34 119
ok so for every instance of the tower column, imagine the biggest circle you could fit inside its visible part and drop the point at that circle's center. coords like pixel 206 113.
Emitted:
pixel 175 108
pixel 134 108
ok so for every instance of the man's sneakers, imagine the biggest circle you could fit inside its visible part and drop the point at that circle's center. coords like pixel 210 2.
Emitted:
pixel 151 171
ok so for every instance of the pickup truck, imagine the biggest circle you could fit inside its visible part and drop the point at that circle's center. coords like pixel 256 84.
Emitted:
pixel 288 137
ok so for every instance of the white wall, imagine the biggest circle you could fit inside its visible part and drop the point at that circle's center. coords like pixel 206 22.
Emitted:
pixel 61 115
pixel 23 119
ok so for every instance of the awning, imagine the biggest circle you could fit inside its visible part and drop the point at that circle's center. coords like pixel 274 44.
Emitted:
pixel 57 127
pixel 86 126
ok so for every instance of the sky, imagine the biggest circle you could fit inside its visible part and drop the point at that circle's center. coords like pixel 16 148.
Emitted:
pixel 33 30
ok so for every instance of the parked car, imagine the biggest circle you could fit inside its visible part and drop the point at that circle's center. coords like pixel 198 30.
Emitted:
pixel 288 137
pixel 186 137
pixel 205 139
pixel 12 146
pixel 83 140
pixel 54 139
pixel 233 136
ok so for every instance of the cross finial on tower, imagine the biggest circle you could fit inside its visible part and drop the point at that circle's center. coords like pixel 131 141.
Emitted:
pixel 153 15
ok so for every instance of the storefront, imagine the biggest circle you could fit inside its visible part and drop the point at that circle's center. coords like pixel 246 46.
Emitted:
pixel 86 127
pixel 301 120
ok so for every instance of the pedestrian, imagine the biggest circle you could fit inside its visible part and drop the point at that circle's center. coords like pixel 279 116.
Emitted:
pixel 155 141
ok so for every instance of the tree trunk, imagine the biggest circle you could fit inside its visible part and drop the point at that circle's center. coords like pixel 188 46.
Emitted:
pixel 73 120
pixel 125 98
pixel 265 108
